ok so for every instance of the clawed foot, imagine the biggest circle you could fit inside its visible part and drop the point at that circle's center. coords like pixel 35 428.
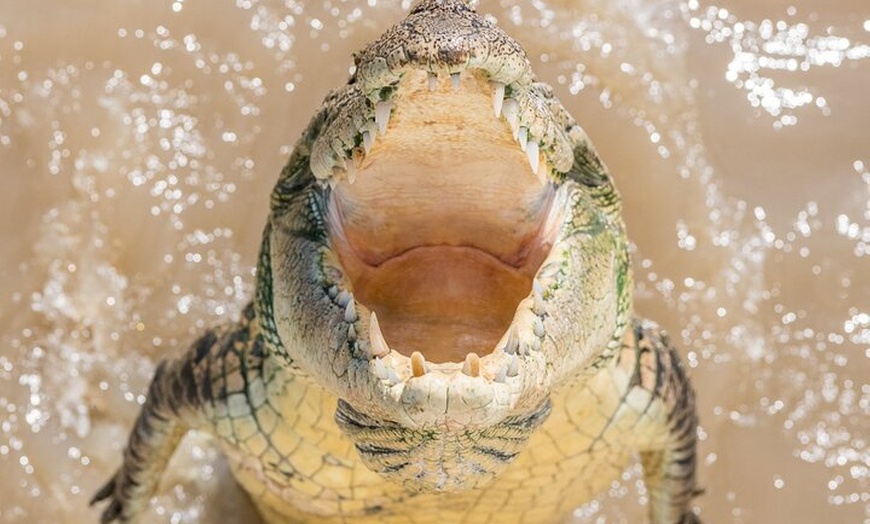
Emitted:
pixel 108 492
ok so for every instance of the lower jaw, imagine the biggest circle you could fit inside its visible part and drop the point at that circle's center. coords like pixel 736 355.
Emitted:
pixel 443 301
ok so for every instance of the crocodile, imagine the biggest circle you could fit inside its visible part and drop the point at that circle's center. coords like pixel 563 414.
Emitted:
pixel 442 325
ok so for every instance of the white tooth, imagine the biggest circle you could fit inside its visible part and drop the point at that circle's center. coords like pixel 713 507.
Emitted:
pixel 381 370
pixel 350 169
pixel 513 341
pixel 456 79
pixel 514 367
pixel 433 81
pixel 343 298
pixel 392 376
pixel 544 172
pixel 523 137
pixel 538 326
pixel 501 375
pixel 368 141
pixel 537 297
pixel 511 112
pixel 550 270
pixel 497 98
pixel 377 341
pixel 533 153
pixel 351 333
pixel 472 365
pixel 332 291
pixel 382 115
pixel 350 311
pixel 418 364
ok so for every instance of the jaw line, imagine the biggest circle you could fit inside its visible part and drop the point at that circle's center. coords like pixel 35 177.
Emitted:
pixel 428 202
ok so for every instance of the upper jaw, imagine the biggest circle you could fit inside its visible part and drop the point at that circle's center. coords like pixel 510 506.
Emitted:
pixel 443 39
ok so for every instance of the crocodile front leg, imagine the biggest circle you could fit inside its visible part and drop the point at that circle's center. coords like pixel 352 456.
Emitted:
pixel 668 459
pixel 184 394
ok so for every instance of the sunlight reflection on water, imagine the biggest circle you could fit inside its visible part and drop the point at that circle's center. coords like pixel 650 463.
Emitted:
pixel 141 153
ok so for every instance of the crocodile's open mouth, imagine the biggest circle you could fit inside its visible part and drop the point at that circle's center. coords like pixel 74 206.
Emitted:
pixel 441 225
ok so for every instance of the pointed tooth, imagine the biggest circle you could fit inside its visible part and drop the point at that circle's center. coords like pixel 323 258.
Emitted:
pixel 350 311
pixel 537 288
pixel 368 141
pixel 351 333
pixel 456 79
pixel 472 365
pixel 332 292
pixel 523 137
pixel 526 345
pixel 550 270
pixel 382 115
pixel 350 170
pixel 538 298
pixel 511 112
pixel 392 376
pixel 513 341
pixel 538 327
pixel 418 364
pixel 343 298
pixel 501 376
pixel 513 368
pixel 534 156
pixel 544 172
pixel 433 81
pixel 377 341
pixel 337 172
pixel 381 369
pixel 497 98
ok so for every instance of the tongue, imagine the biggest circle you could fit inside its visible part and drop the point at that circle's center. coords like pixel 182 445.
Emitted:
pixel 444 302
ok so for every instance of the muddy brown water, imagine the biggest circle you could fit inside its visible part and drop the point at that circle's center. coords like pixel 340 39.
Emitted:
pixel 139 142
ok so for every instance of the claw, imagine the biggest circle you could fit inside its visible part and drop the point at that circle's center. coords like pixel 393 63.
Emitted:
pixel 105 492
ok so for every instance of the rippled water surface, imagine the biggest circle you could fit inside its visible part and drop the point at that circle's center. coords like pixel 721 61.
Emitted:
pixel 139 141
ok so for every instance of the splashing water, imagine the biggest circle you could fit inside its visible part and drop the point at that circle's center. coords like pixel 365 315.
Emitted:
pixel 141 151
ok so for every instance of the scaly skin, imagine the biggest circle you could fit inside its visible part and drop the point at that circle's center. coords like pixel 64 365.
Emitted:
pixel 324 423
